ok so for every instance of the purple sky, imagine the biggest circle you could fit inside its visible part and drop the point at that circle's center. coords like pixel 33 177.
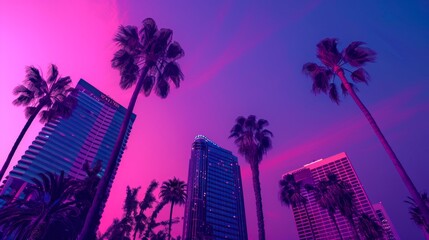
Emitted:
pixel 241 58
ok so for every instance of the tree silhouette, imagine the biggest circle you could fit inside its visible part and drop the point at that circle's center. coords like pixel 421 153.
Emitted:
pixel 253 141
pixel 146 58
pixel 174 192
pixel 49 97
pixel 334 64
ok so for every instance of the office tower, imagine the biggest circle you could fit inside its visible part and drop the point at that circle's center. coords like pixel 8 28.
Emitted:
pixel 322 224
pixel 89 134
pixel 385 222
pixel 214 207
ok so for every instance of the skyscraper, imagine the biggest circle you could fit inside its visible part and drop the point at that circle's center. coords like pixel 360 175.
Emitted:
pixel 385 222
pixel 323 227
pixel 215 207
pixel 89 134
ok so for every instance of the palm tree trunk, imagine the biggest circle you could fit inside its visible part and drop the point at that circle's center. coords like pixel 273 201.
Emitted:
pixel 92 219
pixel 309 221
pixel 336 224
pixel 169 223
pixel 402 173
pixel 18 140
pixel 258 197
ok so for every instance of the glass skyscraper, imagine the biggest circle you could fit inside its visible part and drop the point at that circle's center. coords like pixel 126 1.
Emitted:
pixel 385 222
pixel 89 134
pixel 323 227
pixel 214 207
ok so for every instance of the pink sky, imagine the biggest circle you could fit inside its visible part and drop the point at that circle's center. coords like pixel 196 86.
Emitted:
pixel 241 58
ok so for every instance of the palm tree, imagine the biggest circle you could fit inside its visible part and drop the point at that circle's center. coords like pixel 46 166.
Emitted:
pixel 147 58
pixel 369 228
pixel 291 195
pixel 253 141
pixel 146 203
pixel 37 93
pixel 345 199
pixel 325 197
pixel 50 206
pixel 151 224
pixel 173 191
pixel 323 78
pixel 416 213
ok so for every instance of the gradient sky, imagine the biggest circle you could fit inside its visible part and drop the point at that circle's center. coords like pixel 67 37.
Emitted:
pixel 241 58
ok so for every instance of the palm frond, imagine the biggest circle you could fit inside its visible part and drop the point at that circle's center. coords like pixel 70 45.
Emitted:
pixel 162 88
pixel 29 111
pixel 127 37
pixel 360 75
pixel 174 51
pixel 121 58
pixel 357 56
pixel 148 83
pixel 328 53
pixel 148 31
pixel 26 96
pixel 162 40
pixel 129 75
pixel 172 71
pixel 53 74
pixel 333 93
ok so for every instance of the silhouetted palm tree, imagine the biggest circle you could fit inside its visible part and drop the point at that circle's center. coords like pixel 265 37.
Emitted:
pixel 151 223
pixel 416 213
pixel 368 228
pixel 253 142
pixel 49 207
pixel 323 77
pixel 147 58
pixel 291 195
pixel 327 200
pixel 174 192
pixel 146 203
pixel 344 195
pixel 37 93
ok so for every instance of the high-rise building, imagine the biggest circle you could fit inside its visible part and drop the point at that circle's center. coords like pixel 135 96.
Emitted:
pixel 385 222
pixel 65 144
pixel 214 208
pixel 321 223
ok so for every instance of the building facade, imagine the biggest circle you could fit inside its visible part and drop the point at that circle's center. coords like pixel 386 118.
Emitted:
pixel 385 222
pixel 89 134
pixel 214 207
pixel 321 223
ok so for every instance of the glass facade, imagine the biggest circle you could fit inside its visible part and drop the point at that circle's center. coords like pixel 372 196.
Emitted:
pixel 323 227
pixel 215 206
pixel 89 134
pixel 385 222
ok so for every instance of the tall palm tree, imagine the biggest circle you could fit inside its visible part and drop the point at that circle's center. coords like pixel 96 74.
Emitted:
pixel 253 141
pixel 50 205
pixel 147 58
pixel 369 229
pixel 291 195
pixel 49 97
pixel 174 192
pixel 416 213
pixel 325 197
pixel 355 55
pixel 345 199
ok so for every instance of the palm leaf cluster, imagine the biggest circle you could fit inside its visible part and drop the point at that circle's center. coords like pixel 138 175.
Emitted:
pixel 416 213
pixel 136 223
pixel 323 76
pixel 148 55
pixel 50 209
pixel 51 93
